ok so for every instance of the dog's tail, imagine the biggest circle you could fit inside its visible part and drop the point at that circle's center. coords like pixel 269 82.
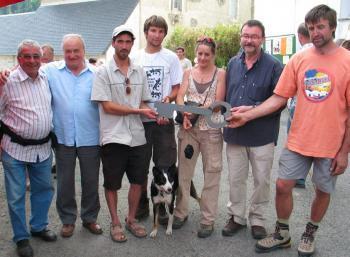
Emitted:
pixel 193 192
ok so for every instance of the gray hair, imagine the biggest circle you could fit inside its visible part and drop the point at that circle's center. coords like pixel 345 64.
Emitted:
pixel 28 42
pixel 69 36
pixel 48 46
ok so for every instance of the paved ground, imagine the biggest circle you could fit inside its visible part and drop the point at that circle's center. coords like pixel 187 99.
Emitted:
pixel 332 238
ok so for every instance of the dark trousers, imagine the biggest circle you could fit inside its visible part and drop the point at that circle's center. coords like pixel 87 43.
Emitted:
pixel 89 161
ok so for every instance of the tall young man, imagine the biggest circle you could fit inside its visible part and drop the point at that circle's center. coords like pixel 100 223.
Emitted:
pixel 164 75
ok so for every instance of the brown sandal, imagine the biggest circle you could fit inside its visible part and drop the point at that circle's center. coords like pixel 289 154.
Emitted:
pixel 136 229
pixel 117 233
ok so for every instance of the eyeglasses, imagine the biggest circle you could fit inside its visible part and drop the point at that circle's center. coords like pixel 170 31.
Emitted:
pixel 128 87
pixel 253 37
pixel 29 56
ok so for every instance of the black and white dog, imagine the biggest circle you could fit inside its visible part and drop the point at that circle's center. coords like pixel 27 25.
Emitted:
pixel 163 190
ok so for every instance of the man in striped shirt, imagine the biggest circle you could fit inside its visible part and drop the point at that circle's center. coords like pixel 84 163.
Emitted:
pixel 25 103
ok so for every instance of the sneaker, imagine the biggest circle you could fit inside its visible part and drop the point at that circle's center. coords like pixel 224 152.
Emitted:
pixel 178 223
pixel 162 215
pixel 231 227
pixel 279 239
pixel 205 230
pixel 307 243
pixel 143 208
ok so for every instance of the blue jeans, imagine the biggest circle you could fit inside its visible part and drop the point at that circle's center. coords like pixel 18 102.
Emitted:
pixel 41 193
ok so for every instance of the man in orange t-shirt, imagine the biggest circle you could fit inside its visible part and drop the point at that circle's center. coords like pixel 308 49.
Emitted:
pixel 320 132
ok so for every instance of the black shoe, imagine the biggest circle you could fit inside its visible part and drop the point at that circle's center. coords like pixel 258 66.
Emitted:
pixel 258 232
pixel 24 249
pixel 163 216
pixel 45 234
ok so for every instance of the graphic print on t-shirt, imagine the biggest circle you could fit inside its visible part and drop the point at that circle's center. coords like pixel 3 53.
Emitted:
pixel 318 85
pixel 155 76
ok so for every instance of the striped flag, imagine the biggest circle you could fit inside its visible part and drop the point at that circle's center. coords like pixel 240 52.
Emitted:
pixel 4 3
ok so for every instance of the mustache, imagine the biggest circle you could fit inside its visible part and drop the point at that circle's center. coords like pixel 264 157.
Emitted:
pixel 249 45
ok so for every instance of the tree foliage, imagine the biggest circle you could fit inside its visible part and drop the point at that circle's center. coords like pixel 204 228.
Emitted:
pixel 226 37
pixel 26 6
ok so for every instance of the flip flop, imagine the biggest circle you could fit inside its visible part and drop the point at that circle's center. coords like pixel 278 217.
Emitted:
pixel 117 233
pixel 136 229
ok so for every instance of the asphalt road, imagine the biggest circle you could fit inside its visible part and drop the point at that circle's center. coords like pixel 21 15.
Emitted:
pixel 332 237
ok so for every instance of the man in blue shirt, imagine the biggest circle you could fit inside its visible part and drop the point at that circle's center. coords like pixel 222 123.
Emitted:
pixel 250 80
pixel 76 125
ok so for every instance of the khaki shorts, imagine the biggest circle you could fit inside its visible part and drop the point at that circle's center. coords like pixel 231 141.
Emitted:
pixel 294 166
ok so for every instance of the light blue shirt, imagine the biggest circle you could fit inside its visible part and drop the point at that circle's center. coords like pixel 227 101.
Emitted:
pixel 75 116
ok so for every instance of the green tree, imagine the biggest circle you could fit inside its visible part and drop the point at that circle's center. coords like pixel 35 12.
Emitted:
pixel 226 37
pixel 22 7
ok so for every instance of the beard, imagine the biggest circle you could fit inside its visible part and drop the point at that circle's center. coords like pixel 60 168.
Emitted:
pixel 321 42
pixel 123 54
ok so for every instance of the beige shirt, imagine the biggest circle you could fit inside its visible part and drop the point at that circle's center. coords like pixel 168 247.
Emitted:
pixel 109 85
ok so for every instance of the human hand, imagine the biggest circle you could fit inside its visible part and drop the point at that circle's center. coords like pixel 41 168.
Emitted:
pixel 149 113
pixel 3 77
pixel 162 121
pixel 236 120
pixel 166 100
pixel 339 164
pixel 186 123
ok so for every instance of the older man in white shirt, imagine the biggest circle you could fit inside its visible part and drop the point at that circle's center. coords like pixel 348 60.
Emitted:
pixel 25 102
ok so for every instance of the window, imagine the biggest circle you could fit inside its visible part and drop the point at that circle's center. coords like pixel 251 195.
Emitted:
pixel 232 9
pixel 176 4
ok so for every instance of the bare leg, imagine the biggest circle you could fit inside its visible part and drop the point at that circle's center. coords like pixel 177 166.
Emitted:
pixel 133 200
pixel 284 198
pixel 319 205
pixel 112 203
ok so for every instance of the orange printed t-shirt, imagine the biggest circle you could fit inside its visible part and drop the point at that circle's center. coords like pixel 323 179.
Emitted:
pixel 322 86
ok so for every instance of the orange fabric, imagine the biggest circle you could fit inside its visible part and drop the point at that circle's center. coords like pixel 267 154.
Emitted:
pixel 322 86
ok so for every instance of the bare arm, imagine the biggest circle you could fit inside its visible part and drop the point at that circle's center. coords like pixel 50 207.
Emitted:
pixel 172 97
pixel 180 98
pixel 221 85
pixel 122 110
pixel 183 88
pixel 272 104
pixel 340 162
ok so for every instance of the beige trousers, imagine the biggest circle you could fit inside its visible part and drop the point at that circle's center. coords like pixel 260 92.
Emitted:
pixel 209 143
pixel 260 159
